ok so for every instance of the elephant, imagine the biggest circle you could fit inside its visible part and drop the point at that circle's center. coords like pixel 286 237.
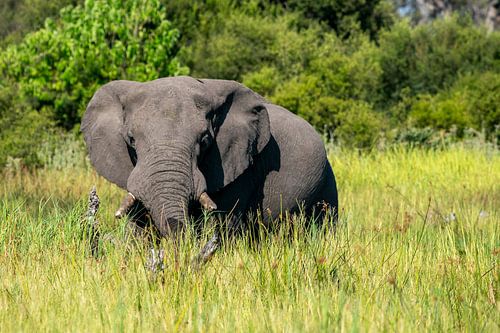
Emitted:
pixel 179 145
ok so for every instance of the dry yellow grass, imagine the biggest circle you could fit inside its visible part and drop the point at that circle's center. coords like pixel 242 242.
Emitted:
pixel 416 249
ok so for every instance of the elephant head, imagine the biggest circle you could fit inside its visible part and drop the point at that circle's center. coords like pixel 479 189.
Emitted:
pixel 171 140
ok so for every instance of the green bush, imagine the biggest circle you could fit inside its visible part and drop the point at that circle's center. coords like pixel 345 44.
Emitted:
pixel 430 57
pixel 331 78
pixel 482 96
pixel 302 96
pixel 22 16
pixel 59 67
pixel 359 126
pixel 346 16
pixel 472 102
pixel 354 123
pixel 21 135
pixel 63 150
pixel 265 80
pixel 240 44
pixel 441 112
pixel 47 79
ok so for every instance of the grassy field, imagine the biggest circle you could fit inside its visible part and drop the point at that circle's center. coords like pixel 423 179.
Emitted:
pixel 416 249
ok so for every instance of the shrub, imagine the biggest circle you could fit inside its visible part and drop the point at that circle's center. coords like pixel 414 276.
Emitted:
pixel 354 123
pixel 22 134
pixel 60 66
pixel 334 92
pixel 239 45
pixel 346 16
pixel 441 112
pixel 359 126
pixel 265 80
pixel 482 95
pixel 22 16
pixel 472 102
pixel 430 57
pixel 47 79
pixel 304 96
pixel 63 150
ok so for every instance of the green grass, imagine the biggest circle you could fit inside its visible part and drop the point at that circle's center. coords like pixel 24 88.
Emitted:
pixel 398 261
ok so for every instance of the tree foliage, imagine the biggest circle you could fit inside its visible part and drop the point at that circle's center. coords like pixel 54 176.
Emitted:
pixel 472 102
pixel 354 69
pixel 21 16
pixel 54 71
pixel 59 67
pixel 329 79
pixel 430 57
pixel 346 16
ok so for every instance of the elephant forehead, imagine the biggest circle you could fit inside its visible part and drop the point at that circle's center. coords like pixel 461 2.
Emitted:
pixel 167 99
pixel 164 112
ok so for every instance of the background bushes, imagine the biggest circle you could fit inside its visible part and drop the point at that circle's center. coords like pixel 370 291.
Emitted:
pixel 358 71
pixel 22 16
pixel 430 57
pixel 49 77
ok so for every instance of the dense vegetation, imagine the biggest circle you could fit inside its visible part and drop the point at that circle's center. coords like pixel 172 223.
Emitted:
pixel 357 70
pixel 416 250
pixel 417 244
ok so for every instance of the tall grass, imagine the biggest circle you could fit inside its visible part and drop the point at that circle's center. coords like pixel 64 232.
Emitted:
pixel 416 248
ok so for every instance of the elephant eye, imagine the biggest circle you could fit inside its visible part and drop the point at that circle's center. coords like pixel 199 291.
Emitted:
pixel 131 140
pixel 206 140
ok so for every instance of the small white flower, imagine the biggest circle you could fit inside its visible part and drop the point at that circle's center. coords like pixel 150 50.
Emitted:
pixel 483 214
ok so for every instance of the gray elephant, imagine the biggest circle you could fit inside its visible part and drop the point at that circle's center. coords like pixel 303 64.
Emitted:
pixel 179 143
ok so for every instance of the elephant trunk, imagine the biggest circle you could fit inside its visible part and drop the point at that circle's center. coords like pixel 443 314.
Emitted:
pixel 168 188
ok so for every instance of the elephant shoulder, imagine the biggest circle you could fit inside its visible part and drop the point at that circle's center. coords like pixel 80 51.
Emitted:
pixel 298 140
pixel 286 123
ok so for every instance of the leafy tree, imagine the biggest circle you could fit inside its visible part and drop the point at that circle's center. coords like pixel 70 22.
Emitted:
pixel 60 66
pixel 241 44
pixel 441 112
pixel 346 16
pixel 49 77
pixel 483 101
pixel 430 57
pixel 198 18
pixel 22 16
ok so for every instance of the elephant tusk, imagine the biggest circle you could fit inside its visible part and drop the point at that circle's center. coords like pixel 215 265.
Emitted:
pixel 127 203
pixel 207 203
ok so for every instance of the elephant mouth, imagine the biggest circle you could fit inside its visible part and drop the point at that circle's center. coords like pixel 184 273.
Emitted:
pixel 129 200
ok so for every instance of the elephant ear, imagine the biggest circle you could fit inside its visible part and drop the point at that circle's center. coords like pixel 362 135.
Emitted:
pixel 105 135
pixel 241 131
